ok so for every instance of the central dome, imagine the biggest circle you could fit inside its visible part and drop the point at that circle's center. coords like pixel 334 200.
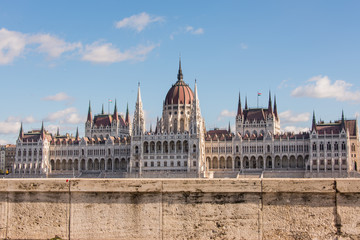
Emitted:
pixel 180 92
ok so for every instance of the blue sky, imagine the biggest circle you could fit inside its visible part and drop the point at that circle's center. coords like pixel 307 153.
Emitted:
pixel 56 56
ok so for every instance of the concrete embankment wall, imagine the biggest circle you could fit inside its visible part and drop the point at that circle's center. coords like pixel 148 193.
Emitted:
pixel 180 209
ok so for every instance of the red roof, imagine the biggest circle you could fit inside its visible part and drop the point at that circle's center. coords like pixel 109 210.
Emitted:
pixel 256 114
pixel 179 93
pixel 216 134
pixel 351 127
pixel 335 128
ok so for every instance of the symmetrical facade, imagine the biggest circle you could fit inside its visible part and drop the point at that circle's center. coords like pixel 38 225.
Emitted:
pixel 180 146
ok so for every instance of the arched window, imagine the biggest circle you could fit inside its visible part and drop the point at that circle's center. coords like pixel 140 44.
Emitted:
pixel 136 149
pixel 314 147
pixel 268 148
pixel 328 147
pixel 321 146
pixel 343 146
pixel 194 148
pixel 237 149
pixel 353 147
pixel 336 146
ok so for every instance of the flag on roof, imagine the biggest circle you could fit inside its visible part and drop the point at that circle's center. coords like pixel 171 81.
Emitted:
pixel 110 101
pixel 259 94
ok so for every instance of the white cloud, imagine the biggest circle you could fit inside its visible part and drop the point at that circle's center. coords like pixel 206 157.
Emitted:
pixel 52 45
pixel 295 129
pixel 28 119
pixel 74 118
pixel 66 116
pixel 12 45
pixel 12 124
pixel 225 114
pixel 9 127
pixel 61 96
pixel 3 142
pixel 60 114
pixel 106 53
pixel 243 46
pixel 291 117
pixel 194 31
pixel 283 84
pixel 322 87
pixel 138 22
pixel 187 29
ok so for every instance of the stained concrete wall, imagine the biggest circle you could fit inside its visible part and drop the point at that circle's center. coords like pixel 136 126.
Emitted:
pixel 180 209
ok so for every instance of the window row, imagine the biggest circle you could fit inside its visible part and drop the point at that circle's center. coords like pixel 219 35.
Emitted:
pixel 329 146
pixel 166 164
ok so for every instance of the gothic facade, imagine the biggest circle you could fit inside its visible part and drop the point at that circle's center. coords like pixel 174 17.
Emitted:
pixel 180 146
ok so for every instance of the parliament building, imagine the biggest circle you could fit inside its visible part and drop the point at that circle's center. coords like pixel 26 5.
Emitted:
pixel 180 145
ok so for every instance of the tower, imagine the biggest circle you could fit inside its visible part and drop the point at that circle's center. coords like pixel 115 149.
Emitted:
pixel 139 120
pixel 89 122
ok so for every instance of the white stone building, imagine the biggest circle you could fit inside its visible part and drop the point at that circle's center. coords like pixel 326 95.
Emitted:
pixel 180 146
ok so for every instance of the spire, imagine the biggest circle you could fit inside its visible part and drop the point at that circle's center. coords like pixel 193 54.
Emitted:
pixel 116 115
pixel 89 117
pixel 229 129
pixel 150 127
pixel 127 117
pixel 42 131
pixel 139 119
pixel 275 107
pixel 246 106
pixel 313 122
pixel 270 104
pixel 157 125
pixel 102 109
pixel 180 75
pixel 195 116
pixel 77 133
pixel 342 120
pixel 239 111
pixel 57 132
pixel 21 133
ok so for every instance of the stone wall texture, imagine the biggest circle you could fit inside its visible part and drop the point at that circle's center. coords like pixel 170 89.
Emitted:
pixel 180 208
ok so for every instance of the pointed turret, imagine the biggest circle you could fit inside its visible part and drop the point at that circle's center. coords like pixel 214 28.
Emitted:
pixel 102 109
pixel 342 120
pixel 313 128
pixel 116 115
pixel 239 111
pixel 89 117
pixel 77 133
pixel 139 119
pixel 127 117
pixel 275 107
pixel 195 117
pixel 157 125
pixel 150 127
pixel 270 104
pixel 180 75
pixel 21 133
pixel 57 132
pixel 229 129
pixel 246 105
pixel 42 131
